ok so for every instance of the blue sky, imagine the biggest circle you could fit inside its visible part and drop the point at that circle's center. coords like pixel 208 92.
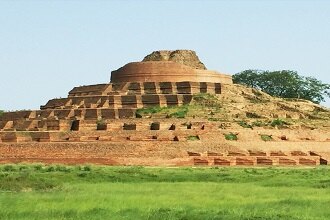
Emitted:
pixel 48 47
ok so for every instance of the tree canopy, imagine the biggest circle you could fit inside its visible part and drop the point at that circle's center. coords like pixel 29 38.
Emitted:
pixel 284 84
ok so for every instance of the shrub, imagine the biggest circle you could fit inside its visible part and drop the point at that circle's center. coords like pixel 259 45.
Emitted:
pixel 279 123
pixel 231 137
pixel 266 137
pixel 22 168
pixel 50 169
pixel 9 168
pixel 258 124
pixel 193 138
pixel 223 125
pixel 101 124
pixel 81 174
pixel 252 115
pixel 244 124
pixel 87 168
pixel 62 168
pixel 37 167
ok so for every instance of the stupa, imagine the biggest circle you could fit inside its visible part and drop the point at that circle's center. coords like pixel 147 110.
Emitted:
pixel 100 123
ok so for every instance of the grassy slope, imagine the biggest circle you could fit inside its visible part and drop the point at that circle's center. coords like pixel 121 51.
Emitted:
pixel 39 192
pixel 241 104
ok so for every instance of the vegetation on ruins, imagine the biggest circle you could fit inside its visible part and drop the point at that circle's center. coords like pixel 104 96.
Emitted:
pixel 1 112
pixel 169 112
pixel 201 102
pixel 180 113
pixel 258 124
pixel 149 110
pixel 214 119
pixel 193 138
pixel 99 192
pixel 24 133
pixel 231 137
pixel 252 115
pixel 279 123
pixel 266 137
pixel 244 124
pixel 206 100
pixel 284 84
pixel 101 124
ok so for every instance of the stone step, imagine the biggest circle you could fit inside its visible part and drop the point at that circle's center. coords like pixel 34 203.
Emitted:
pixel 256 160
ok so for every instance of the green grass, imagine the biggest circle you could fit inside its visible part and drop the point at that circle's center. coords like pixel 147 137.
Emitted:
pixel 206 100
pixel 181 112
pixel 170 111
pixel 98 192
pixel 203 105
pixel 149 110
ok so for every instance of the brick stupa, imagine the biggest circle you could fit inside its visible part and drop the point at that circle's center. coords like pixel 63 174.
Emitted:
pixel 98 123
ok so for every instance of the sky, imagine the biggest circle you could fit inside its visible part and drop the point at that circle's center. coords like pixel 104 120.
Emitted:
pixel 49 47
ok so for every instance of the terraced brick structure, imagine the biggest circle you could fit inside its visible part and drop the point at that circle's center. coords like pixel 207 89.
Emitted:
pixel 166 110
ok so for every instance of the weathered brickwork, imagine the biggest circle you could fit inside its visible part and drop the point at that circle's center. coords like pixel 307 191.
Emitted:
pixel 98 124
pixel 165 71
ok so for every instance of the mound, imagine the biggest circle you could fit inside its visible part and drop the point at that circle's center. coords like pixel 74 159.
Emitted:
pixel 186 57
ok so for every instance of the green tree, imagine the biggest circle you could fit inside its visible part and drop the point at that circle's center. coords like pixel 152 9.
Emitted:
pixel 285 84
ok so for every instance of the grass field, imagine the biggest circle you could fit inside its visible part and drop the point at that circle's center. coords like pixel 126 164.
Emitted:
pixel 98 192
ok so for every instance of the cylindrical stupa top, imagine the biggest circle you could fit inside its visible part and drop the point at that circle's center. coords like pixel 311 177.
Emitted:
pixel 168 66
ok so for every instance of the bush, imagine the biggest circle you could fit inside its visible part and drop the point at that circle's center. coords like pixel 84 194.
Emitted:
pixel 244 124
pixel 266 137
pixel 37 167
pixel 87 168
pixel 252 115
pixel 9 168
pixel 193 138
pixel 62 168
pixel 258 124
pixel 101 124
pixel 23 168
pixel 231 137
pixel 50 169
pixel 82 174
pixel 279 123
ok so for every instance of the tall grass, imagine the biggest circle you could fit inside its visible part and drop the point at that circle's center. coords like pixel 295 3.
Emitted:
pixel 97 192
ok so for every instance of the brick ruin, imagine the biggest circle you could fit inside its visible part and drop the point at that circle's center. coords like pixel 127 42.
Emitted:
pixel 98 124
